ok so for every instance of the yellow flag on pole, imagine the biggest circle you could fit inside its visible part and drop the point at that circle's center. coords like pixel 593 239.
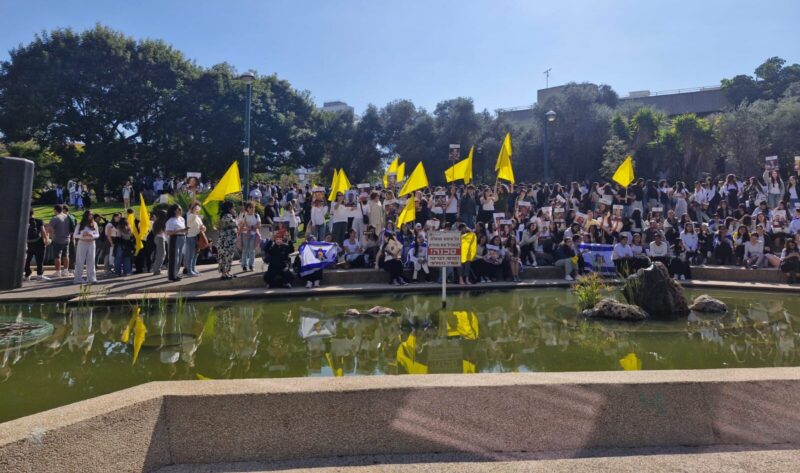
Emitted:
pixel 503 166
pixel 461 169
pixel 144 225
pixel 229 184
pixel 334 186
pixel 408 214
pixel 624 174
pixel 392 168
pixel 417 180
pixel 469 247
pixel 401 172
pixel 344 182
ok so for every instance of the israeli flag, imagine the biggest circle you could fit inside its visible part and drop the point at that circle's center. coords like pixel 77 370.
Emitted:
pixel 316 255
pixel 597 258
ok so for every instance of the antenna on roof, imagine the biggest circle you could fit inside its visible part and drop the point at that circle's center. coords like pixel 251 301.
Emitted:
pixel 547 77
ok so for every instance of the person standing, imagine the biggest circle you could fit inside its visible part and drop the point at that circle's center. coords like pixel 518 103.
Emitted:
pixel 319 211
pixel 60 225
pixel 127 190
pixel 123 248
pixel 377 216
pixel 37 241
pixel 250 233
pixel 159 240
pixel 194 223
pixel 468 208
pixel 227 239
pixel 110 233
pixel 85 235
pixel 176 231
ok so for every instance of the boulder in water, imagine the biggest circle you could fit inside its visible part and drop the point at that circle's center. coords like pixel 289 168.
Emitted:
pixel 352 313
pixel 654 291
pixel 708 304
pixel 379 310
pixel 611 309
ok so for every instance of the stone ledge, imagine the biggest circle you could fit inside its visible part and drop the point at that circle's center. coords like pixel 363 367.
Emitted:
pixel 164 423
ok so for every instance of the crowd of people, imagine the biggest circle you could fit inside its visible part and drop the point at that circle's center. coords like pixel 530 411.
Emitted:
pixel 753 223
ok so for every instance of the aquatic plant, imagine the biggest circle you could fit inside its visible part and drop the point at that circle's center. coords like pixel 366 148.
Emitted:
pixel 590 289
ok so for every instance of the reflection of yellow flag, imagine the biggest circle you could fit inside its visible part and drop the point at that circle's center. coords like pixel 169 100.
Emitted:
pixel 624 174
pixel 202 378
pixel 126 334
pixel 229 184
pixel 407 354
pixel 465 325
pixel 469 247
pixel 144 224
pixel 461 169
pixel 631 362
pixel 336 371
pixel 409 213
pixel 503 166
pixel 417 180
pixel 334 186
pixel 209 327
pixel 401 172
pixel 139 332
pixel 392 168
pixel 468 367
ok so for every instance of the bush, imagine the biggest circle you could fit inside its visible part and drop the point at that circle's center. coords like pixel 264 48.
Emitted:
pixel 590 289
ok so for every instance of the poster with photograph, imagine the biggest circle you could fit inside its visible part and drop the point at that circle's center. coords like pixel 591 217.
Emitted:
pixel 580 218
pixel 618 210
pixel 606 200
pixel 797 163
pixel 771 163
pixel 192 182
pixel 497 217
pixel 547 213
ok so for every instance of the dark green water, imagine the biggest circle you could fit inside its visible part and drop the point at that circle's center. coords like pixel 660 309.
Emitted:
pixel 508 331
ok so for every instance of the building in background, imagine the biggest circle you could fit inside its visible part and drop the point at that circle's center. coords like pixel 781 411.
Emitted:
pixel 337 107
pixel 701 101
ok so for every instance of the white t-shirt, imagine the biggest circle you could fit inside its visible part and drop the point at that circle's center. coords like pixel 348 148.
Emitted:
pixel 452 206
pixel 174 224
pixel 194 222
pixel 340 214
pixel 318 215
pixel 111 230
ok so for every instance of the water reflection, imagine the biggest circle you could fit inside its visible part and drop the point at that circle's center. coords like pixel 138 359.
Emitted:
pixel 94 350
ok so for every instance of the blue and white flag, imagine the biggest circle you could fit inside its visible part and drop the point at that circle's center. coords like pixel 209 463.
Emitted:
pixel 316 255
pixel 597 258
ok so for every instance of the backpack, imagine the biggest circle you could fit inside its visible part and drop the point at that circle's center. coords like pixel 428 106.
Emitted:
pixel 34 230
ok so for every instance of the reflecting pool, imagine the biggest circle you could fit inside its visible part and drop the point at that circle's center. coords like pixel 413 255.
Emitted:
pixel 85 351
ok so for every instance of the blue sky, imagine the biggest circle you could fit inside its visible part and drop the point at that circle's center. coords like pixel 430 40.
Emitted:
pixel 493 51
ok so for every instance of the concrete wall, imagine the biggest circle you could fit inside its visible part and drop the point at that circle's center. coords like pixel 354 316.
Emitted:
pixel 491 416
pixel 701 102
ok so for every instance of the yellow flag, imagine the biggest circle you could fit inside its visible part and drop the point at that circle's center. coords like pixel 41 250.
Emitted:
pixel 401 172
pixel 631 362
pixel 417 180
pixel 469 247
pixel 461 169
pixel 392 168
pixel 409 213
pixel 229 184
pixel 344 182
pixel 334 186
pixel 624 174
pixel 144 225
pixel 126 334
pixel 503 166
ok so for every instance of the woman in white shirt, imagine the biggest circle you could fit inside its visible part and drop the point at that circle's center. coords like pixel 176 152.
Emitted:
pixel 85 234
pixel 176 231
pixel 689 239
pixel 339 219
pixel 487 206
pixel 318 213
pixel 194 225
pixel 250 233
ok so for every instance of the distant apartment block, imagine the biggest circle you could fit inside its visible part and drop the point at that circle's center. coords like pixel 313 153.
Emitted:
pixel 337 107
pixel 700 101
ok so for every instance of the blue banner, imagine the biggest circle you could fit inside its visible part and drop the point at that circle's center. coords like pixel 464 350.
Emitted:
pixel 597 258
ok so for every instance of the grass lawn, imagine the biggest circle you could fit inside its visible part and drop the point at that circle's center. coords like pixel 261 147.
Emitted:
pixel 106 209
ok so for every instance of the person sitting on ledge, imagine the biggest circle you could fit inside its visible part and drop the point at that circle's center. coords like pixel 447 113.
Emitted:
pixel 392 252
pixel 659 250
pixel 790 261
pixel 278 274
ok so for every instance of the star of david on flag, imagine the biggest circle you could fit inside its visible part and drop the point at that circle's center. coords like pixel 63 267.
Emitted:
pixel 316 255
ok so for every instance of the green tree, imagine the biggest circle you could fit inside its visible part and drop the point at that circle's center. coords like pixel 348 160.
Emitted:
pixel 697 141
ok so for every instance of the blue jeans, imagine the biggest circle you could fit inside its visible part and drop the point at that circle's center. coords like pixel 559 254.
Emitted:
pixel 122 264
pixel 469 220
pixel 190 254
pixel 248 250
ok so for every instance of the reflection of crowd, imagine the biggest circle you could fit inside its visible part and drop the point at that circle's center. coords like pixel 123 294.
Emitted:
pixel 529 332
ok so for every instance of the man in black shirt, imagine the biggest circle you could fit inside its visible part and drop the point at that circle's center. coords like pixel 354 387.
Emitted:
pixel 37 239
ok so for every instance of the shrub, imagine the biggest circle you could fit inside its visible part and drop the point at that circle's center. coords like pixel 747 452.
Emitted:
pixel 590 289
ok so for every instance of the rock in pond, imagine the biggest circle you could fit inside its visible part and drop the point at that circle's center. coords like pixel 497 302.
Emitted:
pixel 611 309
pixel 654 291
pixel 379 310
pixel 708 304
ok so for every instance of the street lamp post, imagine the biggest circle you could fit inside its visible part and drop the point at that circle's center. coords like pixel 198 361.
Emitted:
pixel 248 79
pixel 548 118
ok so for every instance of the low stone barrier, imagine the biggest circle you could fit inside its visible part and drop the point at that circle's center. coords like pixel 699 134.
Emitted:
pixel 491 416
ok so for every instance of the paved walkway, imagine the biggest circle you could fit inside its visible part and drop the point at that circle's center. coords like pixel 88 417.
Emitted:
pixel 745 460
pixel 250 285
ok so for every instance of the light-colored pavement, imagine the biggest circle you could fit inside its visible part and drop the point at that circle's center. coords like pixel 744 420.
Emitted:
pixel 695 460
